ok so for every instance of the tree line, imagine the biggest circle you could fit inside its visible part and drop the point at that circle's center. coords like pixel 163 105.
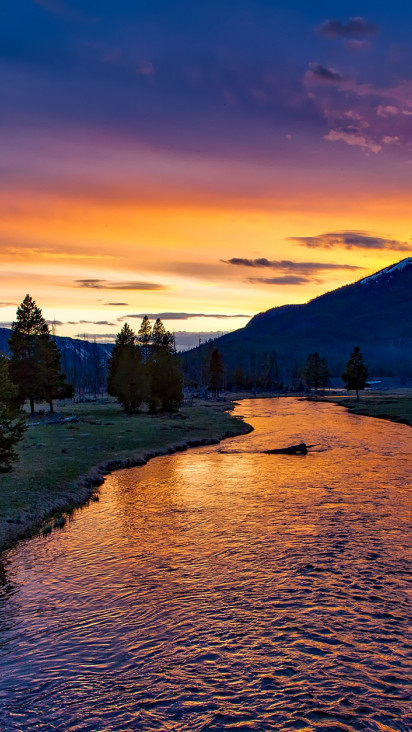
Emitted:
pixel 143 368
pixel 315 374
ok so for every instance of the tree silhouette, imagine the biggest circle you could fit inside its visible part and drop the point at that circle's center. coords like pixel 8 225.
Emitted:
pixel 12 423
pixel 317 372
pixel 215 372
pixel 356 372
pixel 144 337
pixel 35 358
pixel 165 376
pixel 126 380
pixel 158 334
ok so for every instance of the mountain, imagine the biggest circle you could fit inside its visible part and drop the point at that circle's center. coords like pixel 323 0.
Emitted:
pixel 374 313
pixel 83 362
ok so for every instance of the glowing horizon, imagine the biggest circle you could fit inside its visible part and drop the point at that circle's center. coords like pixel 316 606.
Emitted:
pixel 149 176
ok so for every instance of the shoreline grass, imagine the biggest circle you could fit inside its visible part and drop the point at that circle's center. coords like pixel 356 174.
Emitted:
pixel 395 407
pixel 61 465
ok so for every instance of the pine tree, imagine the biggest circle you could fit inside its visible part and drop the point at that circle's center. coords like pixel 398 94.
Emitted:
pixel 317 372
pixel 158 334
pixel 166 382
pixel 165 376
pixel 144 337
pixel 215 372
pixel 356 373
pixel 12 423
pixel 126 380
pixel 35 358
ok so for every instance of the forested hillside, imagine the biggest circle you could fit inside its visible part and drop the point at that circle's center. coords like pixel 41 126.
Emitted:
pixel 374 313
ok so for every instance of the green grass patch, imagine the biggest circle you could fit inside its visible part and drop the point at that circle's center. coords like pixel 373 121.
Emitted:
pixel 396 407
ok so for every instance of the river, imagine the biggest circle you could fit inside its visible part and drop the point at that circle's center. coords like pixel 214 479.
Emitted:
pixel 224 589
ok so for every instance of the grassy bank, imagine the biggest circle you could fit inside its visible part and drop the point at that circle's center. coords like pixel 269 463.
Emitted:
pixel 61 464
pixel 396 406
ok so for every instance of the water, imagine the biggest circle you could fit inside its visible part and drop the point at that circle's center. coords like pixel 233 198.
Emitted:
pixel 224 589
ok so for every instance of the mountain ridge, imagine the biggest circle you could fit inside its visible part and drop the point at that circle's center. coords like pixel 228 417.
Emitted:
pixel 374 313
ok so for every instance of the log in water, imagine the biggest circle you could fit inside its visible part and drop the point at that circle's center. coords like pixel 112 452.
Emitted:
pixel 224 589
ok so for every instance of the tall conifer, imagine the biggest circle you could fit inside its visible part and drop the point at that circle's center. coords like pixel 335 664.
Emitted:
pixel 165 376
pixel 356 372
pixel 35 358
pixel 144 337
pixel 215 372
pixel 12 423
pixel 126 379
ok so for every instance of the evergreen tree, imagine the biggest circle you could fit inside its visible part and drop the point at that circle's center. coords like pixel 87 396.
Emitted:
pixel 165 376
pixel 35 358
pixel 215 372
pixel 126 380
pixel 158 334
pixel 356 372
pixel 317 372
pixel 166 381
pixel 144 337
pixel 12 423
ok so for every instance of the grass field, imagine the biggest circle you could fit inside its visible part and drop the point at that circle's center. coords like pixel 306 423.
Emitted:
pixel 61 464
pixel 395 406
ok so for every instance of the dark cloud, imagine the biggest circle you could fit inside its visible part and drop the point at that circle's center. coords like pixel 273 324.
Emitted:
pixel 355 27
pixel 325 73
pixel 125 304
pixel 54 322
pixel 7 304
pixel 351 240
pixel 289 266
pixel 106 285
pixel 181 316
pixel 282 280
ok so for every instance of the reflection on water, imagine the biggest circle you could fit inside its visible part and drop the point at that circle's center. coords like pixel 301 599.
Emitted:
pixel 224 589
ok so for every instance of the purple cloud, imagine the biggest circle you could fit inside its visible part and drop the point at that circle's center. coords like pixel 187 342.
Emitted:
pixel 97 284
pixel 351 240
pixel 290 266
pixel 357 27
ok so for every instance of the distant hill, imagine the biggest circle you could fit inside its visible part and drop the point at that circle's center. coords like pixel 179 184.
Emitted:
pixel 83 362
pixel 374 313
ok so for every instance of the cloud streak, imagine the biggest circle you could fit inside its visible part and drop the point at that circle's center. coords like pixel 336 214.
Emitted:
pixel 290 266
pixel 96 284
pixel 354 28
pixel 182 316
pixel 282 280
pixel 87 322
pixel 319 73
pixel 104 337
pixel 351 240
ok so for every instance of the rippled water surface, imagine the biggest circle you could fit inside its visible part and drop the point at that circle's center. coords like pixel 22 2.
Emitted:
pixel 224 589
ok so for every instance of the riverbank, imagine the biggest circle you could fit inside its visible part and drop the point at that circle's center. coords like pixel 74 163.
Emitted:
pixel 62 464
pixel 396 407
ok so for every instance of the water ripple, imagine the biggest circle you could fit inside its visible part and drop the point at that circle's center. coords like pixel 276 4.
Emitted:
pixel 224 589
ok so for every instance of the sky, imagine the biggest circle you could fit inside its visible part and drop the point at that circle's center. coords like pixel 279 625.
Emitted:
pixel 199 161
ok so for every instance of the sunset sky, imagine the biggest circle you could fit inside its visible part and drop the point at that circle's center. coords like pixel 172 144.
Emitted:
pixel 199 160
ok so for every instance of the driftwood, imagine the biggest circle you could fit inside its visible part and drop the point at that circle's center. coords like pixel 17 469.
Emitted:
pixel 300 449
